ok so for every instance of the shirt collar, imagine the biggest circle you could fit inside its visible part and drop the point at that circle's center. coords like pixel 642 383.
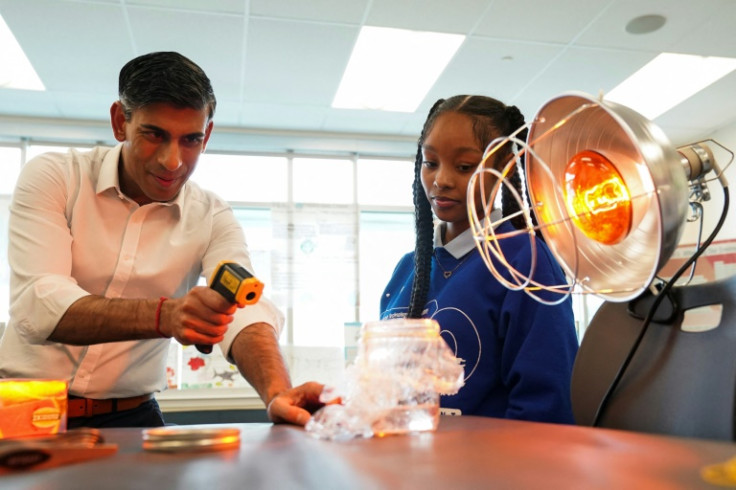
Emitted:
pixel 108 178
pixel 464 242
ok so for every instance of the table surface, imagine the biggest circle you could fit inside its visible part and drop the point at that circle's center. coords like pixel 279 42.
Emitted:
pixel 465 452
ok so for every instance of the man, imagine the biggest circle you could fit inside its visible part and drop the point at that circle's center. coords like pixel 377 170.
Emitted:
pixel 106 248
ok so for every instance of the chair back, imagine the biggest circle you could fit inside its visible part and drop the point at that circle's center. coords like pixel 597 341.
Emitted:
pixel 679 382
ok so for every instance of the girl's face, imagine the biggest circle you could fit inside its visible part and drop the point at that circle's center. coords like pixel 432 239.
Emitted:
pixel 450 156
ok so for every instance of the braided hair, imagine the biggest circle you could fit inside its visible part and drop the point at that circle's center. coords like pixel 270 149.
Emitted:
pixel 491 119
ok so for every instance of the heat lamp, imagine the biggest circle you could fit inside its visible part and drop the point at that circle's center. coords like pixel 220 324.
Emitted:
pixel 611 196
pixel 610 193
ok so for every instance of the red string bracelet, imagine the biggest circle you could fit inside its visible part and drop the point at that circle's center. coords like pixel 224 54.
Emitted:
pixel 158 316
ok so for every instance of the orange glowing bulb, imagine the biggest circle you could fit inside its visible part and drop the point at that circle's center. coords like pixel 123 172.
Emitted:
pixel 597 198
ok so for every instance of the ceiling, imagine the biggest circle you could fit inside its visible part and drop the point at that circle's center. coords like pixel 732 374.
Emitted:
pixel 276 64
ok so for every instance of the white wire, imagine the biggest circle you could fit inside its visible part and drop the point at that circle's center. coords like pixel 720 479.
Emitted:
pixel 488 241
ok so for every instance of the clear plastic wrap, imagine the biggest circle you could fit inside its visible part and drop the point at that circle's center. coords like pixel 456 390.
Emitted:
pixel 394 385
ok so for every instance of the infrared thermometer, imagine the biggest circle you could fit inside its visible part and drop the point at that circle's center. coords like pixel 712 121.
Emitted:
pixel 236 285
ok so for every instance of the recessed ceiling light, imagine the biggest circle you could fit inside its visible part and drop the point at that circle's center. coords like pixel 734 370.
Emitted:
pixel 645 24
pixel 667 80
pixel 15 69
pixel 393 69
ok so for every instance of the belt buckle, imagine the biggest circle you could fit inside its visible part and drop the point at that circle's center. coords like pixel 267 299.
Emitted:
pixel 97 407
pixel 89 407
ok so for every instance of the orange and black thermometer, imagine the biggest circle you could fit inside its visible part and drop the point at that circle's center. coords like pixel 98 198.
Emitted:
pixel 236 285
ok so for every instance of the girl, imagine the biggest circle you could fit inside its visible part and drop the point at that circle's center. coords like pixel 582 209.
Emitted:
pixel 517 353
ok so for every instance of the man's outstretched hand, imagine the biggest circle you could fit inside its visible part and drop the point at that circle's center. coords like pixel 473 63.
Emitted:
pixel 296 405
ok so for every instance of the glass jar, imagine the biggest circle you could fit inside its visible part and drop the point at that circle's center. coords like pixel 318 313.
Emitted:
pixel 404 365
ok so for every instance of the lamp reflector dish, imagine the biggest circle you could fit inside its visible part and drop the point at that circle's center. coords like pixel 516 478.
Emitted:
pixel 614 254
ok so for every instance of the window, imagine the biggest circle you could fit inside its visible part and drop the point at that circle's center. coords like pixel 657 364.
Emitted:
pixel 9 169
pixel 323 276
pixel 324 236
pixel 384 238
pixel 10 164
pixel 4 267
pixel 323 258
pixel 239 178
pixel 385 182
pixel 318 180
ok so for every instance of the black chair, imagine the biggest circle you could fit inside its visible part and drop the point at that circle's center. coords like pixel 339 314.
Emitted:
pixel 678 382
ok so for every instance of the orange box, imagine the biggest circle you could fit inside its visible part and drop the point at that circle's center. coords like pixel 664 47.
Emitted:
pixel 32 407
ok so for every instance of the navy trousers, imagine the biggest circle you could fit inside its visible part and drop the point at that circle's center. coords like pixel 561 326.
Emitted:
pixel 148 414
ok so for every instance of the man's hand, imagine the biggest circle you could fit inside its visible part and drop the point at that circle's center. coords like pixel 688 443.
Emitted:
pixel 296 405
pixel 257 354
pixel 201 316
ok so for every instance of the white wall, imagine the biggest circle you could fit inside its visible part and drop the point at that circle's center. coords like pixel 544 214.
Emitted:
pixel 727 137
pixel 712 209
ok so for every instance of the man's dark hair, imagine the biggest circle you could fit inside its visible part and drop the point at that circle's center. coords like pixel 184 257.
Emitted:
pixel 168 77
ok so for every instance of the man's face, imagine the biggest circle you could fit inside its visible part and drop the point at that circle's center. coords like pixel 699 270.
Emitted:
pixel 161 147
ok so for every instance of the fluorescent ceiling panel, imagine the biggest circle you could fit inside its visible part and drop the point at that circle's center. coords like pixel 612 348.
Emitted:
pixel 15 69
pixel 393 69
pixel 667 80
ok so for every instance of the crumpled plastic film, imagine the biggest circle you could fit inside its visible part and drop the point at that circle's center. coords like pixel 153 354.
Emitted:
pixel 394 384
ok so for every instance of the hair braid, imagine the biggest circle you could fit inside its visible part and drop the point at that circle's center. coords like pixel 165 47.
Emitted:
pixel 510 204
pixel 424 226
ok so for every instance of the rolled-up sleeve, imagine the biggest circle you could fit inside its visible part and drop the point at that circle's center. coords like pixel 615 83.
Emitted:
pixel 39 250
pixel 228 243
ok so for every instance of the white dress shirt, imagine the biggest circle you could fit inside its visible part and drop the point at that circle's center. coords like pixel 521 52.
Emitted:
pixel 73 233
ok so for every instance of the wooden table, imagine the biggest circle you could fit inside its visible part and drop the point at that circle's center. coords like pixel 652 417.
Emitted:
pixel 465 452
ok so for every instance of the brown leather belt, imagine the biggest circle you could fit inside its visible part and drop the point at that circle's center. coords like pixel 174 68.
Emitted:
pixel 87 407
